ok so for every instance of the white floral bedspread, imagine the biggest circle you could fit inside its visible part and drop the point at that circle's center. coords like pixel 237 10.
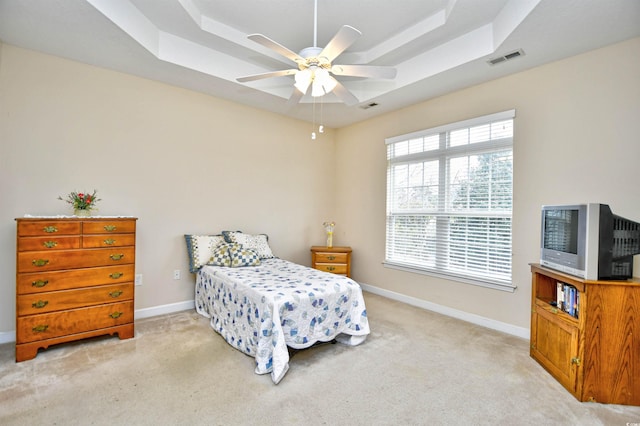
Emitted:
pixel 260 310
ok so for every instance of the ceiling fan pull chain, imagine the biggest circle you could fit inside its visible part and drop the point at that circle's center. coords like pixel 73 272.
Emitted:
pixel 313 122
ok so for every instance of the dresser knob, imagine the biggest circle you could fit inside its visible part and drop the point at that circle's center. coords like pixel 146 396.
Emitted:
pixel 331 268
pixel 40 262
pixel 40 328
pixel 117 256
pixel 115 294
pixel 50 229
pixel 116 275
pixel 109 228
pixel 115 315
pixel 331 257
pixel 39 283
pixel 40 304
pixel 109 241
pixel 50 244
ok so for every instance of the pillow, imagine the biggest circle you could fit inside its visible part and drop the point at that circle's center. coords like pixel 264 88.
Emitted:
pixel 259 243
pixel 242 256
pixel 200 249
pixel 220 255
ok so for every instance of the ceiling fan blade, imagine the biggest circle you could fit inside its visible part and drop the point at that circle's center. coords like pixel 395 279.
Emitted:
pixel 295 98
pixel 345 95
pixel 340 42
pixel 276 47
pixel 266 75
pixel 364 71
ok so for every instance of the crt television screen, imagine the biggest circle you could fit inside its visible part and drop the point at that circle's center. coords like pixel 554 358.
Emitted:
pixel 561 230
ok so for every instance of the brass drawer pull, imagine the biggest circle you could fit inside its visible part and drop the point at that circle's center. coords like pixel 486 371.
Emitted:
pixel 40 304
pixel 40 262
pixel 116 275
pixel 50 244
pixel 117 256
pixel 109 241
pixel 50 229
pixel 39 283
pixel 331 257
pixel 575 361
pixel 40 328
pixel 115 315
pixel 331 268
pixel 109 228
pixel 115 294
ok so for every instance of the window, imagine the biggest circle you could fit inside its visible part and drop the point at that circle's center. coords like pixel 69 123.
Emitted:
pixel 449 201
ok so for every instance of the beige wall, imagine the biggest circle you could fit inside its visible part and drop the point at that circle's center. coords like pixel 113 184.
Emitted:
pixel 180 161
pixel 184 162
pixel 576 140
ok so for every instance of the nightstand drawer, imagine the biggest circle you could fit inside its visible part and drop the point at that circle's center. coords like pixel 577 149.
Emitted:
pixel 331 257
pixel 334 268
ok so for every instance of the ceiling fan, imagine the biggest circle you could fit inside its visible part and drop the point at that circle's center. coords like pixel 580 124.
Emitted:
pixel 315 67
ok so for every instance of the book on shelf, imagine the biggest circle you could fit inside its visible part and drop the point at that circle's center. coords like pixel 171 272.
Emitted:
pixel 567 298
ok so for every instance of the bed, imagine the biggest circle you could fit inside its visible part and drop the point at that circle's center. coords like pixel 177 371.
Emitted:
pixel 262 305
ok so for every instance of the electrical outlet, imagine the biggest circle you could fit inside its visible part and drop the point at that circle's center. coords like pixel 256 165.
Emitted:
pixel 176 274
pixel 138 279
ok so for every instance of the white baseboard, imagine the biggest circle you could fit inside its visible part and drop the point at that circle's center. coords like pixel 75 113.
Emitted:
pixel 10 336
pixel 164 309
pixel 7 336
pixel 450 312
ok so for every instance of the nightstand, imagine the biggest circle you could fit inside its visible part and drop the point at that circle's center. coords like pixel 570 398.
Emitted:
pixel 336 260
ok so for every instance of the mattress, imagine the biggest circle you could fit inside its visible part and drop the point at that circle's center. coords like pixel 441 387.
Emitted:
pixel 260 310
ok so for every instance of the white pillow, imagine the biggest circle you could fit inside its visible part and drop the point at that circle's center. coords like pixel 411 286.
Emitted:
pixel 200 249
pixel 259 243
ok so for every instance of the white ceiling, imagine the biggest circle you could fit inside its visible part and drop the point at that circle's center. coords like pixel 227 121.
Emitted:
pixel 436 45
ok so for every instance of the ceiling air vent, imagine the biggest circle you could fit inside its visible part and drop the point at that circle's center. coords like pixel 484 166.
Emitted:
pixel 507 57
pixel 371 105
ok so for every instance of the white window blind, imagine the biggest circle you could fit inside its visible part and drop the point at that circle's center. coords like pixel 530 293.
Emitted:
pixel 449 201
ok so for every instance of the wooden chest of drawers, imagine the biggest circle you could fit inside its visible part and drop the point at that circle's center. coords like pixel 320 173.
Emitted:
pixel 74 279
pixel 336 260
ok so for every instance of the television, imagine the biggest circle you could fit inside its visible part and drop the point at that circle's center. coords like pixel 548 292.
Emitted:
pixel 588 241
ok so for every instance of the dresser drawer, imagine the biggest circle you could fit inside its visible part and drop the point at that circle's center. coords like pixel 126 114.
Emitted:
pixel 331 257
pixel 113 240
pixel 47 227
pixel 334 268
pixel 39 282
pixel 73 259
pixel 46 326
pixel 52 242
pixel 38 303
pixel 109 226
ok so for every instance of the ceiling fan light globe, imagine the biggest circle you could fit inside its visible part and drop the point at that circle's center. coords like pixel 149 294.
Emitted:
pixel 303 80
pixel 323 83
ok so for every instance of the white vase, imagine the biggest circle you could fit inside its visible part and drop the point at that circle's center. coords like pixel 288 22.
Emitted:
pixel 82 212
pixel 329 239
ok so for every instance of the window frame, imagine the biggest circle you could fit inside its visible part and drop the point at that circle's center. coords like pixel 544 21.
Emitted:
pixel 443 153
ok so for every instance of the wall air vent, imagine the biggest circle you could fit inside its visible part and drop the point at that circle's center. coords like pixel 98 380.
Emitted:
pixel 507 57
pixel 370 105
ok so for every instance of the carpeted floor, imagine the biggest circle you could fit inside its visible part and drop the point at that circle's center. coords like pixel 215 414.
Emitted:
pixel 416 368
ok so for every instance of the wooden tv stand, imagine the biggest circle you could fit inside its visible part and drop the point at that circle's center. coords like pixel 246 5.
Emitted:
pixel 595 356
